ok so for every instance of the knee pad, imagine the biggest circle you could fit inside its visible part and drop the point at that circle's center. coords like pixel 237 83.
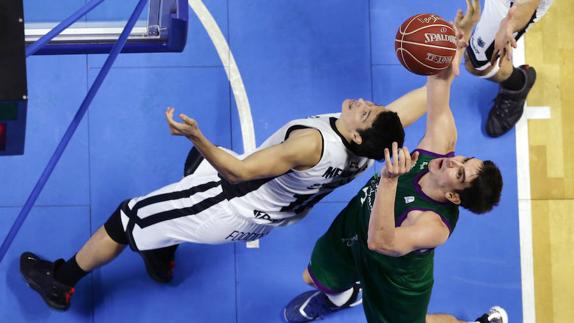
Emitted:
pixel 114 226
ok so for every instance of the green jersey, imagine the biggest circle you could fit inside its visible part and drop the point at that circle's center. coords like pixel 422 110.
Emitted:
pixel 409 197
pixel 395 289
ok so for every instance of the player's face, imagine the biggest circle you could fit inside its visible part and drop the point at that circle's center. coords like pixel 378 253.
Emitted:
pixel 359 114
pixel 455 173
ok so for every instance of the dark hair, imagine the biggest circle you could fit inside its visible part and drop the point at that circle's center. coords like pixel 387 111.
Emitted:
pixel 484 191
pixel 386 129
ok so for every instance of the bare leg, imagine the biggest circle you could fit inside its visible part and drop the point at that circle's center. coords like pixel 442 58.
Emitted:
pixel 307 278
pixel 98 251
pixel 503 73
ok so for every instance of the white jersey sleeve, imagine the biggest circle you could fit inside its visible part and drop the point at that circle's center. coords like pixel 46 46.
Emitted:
pixel 286 198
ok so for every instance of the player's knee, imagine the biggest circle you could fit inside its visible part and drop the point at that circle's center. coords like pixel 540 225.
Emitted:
pixel 114 228
pixel 307 277
pixel 471 69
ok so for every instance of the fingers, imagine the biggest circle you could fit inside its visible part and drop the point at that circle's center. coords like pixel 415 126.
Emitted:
pixel 387 171
pixel 508 51
pixel 459 16
pixel 513 42
pixel 398 161
pixel 171 123
pixel 476 5
pixel 395 155
pixel 414 158
pixel 188 120
pixel 494 57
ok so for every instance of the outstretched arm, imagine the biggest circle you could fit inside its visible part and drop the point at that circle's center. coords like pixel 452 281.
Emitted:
pixel 517 18
pixel 441 134
pixel 411 106
pixel 301 150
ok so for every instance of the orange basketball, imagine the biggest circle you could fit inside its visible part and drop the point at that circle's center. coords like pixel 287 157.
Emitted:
pixel 425 44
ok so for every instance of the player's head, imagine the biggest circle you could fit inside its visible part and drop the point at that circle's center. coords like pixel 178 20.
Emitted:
pixel 469 182
pixel 372 128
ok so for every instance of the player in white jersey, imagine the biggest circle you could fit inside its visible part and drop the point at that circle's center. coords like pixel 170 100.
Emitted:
pixel 234 198
pixel 489 55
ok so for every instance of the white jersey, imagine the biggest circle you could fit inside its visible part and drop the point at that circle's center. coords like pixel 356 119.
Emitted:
pixel 481 43
pixel 287 198
pixel 204 208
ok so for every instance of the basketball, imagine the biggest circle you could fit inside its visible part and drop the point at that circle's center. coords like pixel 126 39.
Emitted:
pixel 425 44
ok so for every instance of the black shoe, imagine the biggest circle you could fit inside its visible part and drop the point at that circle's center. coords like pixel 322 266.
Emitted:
pixel 509 105
pixel 159 263
pixel 39 274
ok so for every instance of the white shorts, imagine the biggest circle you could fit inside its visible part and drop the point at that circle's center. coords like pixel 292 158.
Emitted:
pixel 195 209
pixel 481 45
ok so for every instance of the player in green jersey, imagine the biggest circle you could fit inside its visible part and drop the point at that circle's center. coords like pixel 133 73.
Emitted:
pixel 385 237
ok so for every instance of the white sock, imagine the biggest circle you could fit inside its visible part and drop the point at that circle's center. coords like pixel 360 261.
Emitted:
pixel 341 298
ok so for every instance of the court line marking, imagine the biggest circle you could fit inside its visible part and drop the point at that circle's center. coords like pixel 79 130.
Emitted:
pixel 538 113
pixel 524 207
pixel 234 77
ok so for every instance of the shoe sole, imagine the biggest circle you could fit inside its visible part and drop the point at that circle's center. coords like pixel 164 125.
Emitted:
pixel 37 288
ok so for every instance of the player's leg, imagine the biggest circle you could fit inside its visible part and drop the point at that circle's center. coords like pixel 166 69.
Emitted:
pixel 495 314
pixel 160 263
pixel 55 281
pixel 331 272
pixel 515 82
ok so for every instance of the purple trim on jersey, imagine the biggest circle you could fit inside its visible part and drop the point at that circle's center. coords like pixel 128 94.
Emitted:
pixel 435 155
pixel 419 189
pixel 319 285
pixel 405 213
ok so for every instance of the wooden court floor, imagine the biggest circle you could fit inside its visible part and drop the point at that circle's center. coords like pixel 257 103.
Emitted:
pixel 550 48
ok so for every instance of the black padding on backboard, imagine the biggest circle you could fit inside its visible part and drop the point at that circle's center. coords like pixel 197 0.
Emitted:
pixel 12 51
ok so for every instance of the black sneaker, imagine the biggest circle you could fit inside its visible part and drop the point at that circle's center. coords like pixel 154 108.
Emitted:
pixel 39 274
pixel 314 304
pixel 509 105
pixel 159 263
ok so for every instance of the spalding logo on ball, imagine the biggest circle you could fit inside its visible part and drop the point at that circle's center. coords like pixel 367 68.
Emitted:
pixel 425 44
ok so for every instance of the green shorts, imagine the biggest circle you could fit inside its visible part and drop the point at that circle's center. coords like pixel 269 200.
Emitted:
pixel 395 289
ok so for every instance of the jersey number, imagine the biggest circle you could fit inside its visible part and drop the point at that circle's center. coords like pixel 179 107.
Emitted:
pixel 303 202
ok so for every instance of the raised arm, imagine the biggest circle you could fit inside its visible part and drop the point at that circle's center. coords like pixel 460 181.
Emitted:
pixel 411 106
pixel 301 150
pixel 517 18
pixel 424 230
pixel 441 134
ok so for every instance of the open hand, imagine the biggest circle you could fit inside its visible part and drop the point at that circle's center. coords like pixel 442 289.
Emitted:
pixel 401 162
pixel 186 128
pixel 464 23
pixel 504 40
